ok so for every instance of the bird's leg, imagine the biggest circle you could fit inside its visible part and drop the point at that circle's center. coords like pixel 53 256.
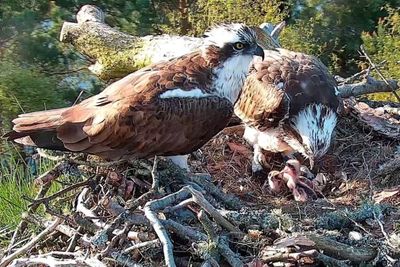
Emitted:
pixel 181 161
pixel 258 159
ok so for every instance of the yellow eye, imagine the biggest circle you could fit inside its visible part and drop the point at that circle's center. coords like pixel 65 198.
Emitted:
pixel 238 45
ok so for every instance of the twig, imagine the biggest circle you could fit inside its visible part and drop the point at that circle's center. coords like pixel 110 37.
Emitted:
pixel 51 175
pixel 207 225
pixel 184 232
pixel 230 256
pixel 31 243
pixel 341 250
pixel 364 72
pixel 23 224
pixel 378 71
pixel 154 175
pixel 74 240
pixel 61 192
pixel 58 259
pixel 150 243
pixel 202 202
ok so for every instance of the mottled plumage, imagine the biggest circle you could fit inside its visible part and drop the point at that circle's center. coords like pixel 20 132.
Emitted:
pixel 288 104
pixel 169 108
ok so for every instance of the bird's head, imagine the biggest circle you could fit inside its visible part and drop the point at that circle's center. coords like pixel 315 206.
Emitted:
pixel 314 131
pixel 229 49
pixel 232 41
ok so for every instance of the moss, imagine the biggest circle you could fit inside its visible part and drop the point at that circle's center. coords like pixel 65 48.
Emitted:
pixel 117 57
pixel 344 219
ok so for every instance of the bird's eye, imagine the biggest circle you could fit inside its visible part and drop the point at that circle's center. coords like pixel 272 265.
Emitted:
pixel 238 46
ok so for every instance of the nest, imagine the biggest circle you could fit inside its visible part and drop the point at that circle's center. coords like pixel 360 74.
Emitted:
pixel 143 213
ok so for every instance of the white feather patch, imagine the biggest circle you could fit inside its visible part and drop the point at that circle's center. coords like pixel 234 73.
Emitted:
pixel 194 93
pixel 223 34
pixel 231 76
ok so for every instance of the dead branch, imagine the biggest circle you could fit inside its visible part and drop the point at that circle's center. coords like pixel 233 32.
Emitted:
pixel 342 251
pixel 367 86
pixel 52 174
pixel 58 259
pixel 230 256
pixel 149 243
pixel 393 89
pixel 118 54
pixel 60 193
pixel 24 249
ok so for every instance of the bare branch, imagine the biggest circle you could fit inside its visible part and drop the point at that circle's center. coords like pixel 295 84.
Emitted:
pixel 369 86
pixel 31 243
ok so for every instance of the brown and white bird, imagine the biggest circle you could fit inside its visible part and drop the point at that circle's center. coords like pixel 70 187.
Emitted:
pixel 170 109
pixel 288 104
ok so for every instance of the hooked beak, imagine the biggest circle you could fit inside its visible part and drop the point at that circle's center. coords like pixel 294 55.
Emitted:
pixel 259 52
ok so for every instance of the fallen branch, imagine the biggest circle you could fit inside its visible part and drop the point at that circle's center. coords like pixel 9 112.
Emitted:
pixel 393 89
pixel 24 249
pixel 342 251
pixel 58 259
pixel 369 86
pixel 118 54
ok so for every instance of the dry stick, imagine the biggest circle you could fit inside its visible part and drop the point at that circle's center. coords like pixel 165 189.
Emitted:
pixel 354 77
pixel 23 224
pixel 150 243
pixel 202 202
pixel 230 256
pixel 339 250
pixel 149 211
pixel 75 160
pixel 378 71
pixel 184 232
pixel 31 243
pixel 60 193
pixel 74 240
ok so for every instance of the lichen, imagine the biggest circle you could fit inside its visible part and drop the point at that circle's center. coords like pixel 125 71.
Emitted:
pixel 344 219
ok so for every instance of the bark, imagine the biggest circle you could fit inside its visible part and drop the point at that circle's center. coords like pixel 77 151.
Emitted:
pixel 368 86
pixel 117 54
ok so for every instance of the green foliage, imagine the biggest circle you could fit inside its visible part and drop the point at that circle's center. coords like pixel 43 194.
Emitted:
pixel 207 13
pixel 16 181
pixel 25 89
pixel 384 44
pixel 332 29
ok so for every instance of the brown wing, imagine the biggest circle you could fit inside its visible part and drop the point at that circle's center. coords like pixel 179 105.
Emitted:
pixel 310 82
pixel 160 127
pixel 130 119
pixel 284 83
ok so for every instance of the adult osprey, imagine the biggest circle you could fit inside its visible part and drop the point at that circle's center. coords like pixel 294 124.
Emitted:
pixel 170 108
pixel 288 104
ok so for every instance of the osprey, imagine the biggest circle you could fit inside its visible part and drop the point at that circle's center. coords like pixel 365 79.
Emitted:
pixel 170 109
pixel 288 104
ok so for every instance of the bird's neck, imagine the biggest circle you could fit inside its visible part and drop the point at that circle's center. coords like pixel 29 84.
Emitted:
pixel 230 76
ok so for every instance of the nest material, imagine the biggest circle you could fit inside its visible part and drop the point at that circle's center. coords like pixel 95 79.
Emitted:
pixel 130 214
